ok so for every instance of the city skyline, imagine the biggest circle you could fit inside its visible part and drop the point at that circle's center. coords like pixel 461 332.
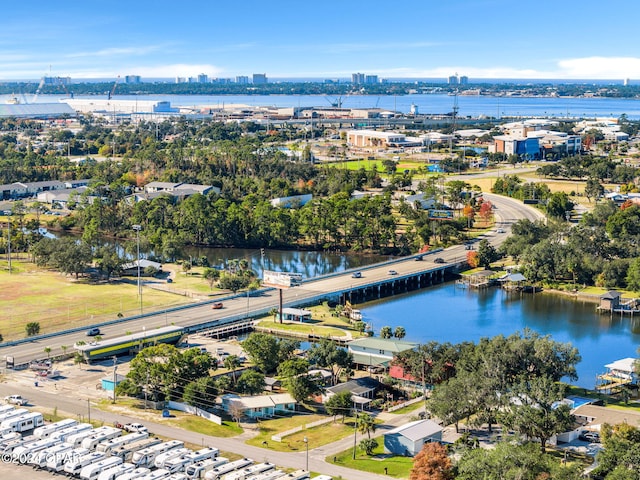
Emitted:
pixel 480 39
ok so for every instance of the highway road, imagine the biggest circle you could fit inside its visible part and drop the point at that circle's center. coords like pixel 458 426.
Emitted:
pixel 507 211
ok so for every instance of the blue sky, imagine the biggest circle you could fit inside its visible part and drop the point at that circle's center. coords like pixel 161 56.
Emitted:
pixel 563 39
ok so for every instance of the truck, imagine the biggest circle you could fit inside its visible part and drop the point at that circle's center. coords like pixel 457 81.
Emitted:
pixel 115 472
pixel 57 463
pixel 147 456
pixel 199 469
pixel 218 472
pixel 178 464
pixel 24 423
pixel 75 466
pixel 16 400
pixel 93 470
pixel 46 430
pixel 101 434
pixel 108 446
pixel 127 451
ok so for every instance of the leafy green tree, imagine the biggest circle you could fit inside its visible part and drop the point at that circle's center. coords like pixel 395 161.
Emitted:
pixel 487 254
pixel 368 445
pixel 327 354
pixel 201 393
pixel 72 257
pixel 211 275
pixel 535 413
pixel 232 362
pixel 251 383
pixel 262 350
pixel 32 328
pixel 339 404
pixel 559 205
pixel 449 401
pixel 593 189
pixel 386 332
pixel 633 275
pixel 301 386
pixel 223 383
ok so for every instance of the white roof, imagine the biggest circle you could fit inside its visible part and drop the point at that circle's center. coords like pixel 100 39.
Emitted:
pixel 624 365
pixel 262 401
pixel 417 430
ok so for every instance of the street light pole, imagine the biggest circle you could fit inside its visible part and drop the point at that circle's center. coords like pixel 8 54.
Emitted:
pixel 137 228
pixel 306 442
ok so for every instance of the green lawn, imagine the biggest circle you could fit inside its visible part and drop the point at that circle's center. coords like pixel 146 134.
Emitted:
pixel 408 408
pixel 397 467
pixel 316 436
pixel 56 301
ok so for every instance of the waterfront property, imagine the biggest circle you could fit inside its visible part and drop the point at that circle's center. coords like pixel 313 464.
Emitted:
pixel 371 351
pixel 619 374
pixel 408 439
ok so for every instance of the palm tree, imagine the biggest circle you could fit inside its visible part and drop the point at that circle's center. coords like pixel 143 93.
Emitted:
pixel 64 349
pixel 385 332
pixel 47 350
pixel 231 363
pixel 399 333
pixel 366 424
pixel 274 312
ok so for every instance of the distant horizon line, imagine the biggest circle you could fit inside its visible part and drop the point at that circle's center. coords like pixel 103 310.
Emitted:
pixel 533 81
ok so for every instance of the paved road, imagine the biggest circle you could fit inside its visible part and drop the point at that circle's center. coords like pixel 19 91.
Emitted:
pixel 507 212
pixel 78 407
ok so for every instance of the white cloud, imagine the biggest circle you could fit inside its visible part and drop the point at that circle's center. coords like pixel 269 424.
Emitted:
pixel 600 67
pixel 118 51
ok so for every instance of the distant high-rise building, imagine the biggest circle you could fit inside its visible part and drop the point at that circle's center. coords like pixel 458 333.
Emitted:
pixel 132 79
pixel 463 80
pixel 260 78
pixel 203 78
pixel 57 80
pixel 371 79
pixel 626 82
pixel 242 79
pixel 357 78
pixel 181 80
pixel 452 80
pixel 457 80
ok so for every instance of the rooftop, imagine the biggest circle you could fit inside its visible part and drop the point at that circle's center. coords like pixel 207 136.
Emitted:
pixel 417 430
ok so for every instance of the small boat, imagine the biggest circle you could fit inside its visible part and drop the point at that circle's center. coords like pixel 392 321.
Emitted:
pixel 217 305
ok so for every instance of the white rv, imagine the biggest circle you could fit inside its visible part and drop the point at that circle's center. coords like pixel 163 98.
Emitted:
pixel 218 472
pixel 25 452
pixel 161 459
pixel 146 456
pixel 160 474
pixel 93 470
pixel 8 447
pixel 198 470
pixel 100 435
pixel 109 445
pixel 7 437
pixel 47 430
pixel 178 464
pixel 114 472
pixel 270 475
pixel 57 463
pixel 250 470
pixel 127 451
pixel 75 466
pixel 75 440
pixel 297 475
pixel 6 408
pixel 65 433
pixel 14 412
pixel 24 423
pixel 39 460
pixel 135 474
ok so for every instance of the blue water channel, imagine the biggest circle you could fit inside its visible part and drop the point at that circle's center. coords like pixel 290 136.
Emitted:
pixel 447 313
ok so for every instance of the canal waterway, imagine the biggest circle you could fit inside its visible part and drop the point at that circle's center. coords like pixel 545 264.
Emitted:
pixel 446 313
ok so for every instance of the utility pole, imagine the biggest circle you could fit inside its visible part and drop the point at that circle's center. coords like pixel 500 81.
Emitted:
pixel 137 228
pixel 9 244
pixel 115 368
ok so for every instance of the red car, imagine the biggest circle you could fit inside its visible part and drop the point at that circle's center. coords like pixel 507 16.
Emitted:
pixel 217 305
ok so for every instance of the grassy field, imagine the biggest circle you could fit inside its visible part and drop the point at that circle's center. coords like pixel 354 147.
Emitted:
pixel 397 467
pixel 56 301
pixel 316 436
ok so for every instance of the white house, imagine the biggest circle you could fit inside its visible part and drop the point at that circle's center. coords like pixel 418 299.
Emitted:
pixel 260 406
pixel 373 351
pixel 409 439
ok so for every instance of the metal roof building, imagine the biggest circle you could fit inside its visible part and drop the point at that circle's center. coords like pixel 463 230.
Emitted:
pixel 36 110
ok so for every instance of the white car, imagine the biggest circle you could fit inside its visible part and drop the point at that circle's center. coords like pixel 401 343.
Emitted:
pixel 16 400
pixel 135 427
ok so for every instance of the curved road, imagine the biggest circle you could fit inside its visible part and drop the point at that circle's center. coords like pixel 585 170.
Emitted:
pixel 507 212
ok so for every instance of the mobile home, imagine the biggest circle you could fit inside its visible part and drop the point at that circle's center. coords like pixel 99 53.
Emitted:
pixel 199 469
pixel 218 472
pixel 24 423
pixel 93 470
pixel 75 466
pixel 101 434
pixel 146 456
pixel 109 445
pixel 46 430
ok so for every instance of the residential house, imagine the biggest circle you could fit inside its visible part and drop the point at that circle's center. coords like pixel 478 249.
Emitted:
pixel 260 406
pixel 408 439
pixel 362 390
pixel 371 351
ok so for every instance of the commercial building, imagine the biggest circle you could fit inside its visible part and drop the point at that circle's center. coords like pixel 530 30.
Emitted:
pixel 260 78
pixel 374 138
pixel 132 79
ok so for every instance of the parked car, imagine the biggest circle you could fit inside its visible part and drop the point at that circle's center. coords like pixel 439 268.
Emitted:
pixel 217 305
pixel 468 246
pixel 16 400
pixel 392 272
pixel 500 230
pixel 92 332
pixel 591 437
pixel 356 275
pixel 438 260
pixel 135 427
